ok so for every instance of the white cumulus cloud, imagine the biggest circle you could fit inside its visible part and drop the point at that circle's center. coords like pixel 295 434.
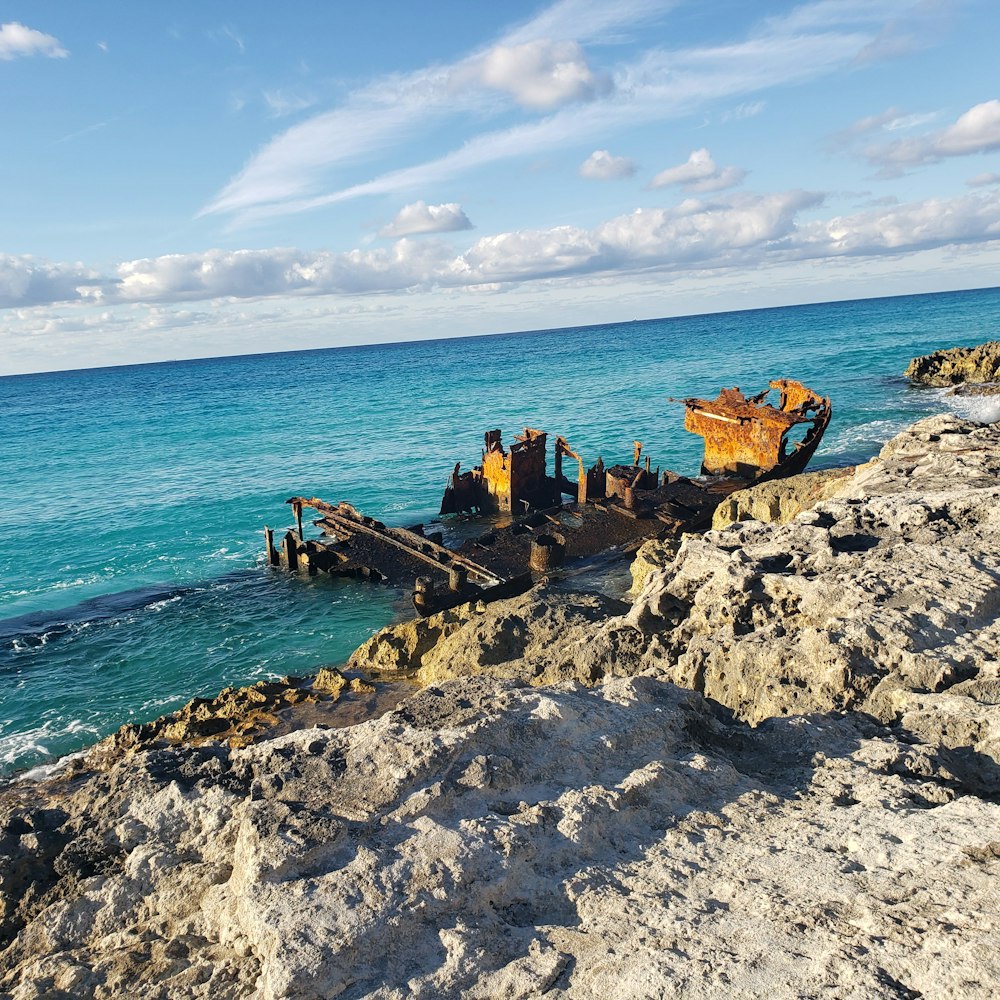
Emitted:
pixel 423 218
pixel 538 74
pixel 747 231
pixel 602 166
pixel 28 281
pixel 699 174
pixel 18 40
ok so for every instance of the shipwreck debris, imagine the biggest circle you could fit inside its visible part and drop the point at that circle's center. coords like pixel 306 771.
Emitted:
pixel 748 438
pixel 746 441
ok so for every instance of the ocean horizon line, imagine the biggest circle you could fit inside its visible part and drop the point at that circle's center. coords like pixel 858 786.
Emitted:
pixel 495 334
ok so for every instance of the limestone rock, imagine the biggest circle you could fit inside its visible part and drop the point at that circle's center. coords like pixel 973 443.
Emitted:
pixel 489 840
pixel 329 681
pixel 540 637
pixel 780 500
pixel 656 554
pixel 975 389
pixel 958 364
pixel 235 715
pixel 400 648
pixel 883 600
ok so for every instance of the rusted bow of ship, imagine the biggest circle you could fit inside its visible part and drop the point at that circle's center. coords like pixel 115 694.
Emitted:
pixel 538 522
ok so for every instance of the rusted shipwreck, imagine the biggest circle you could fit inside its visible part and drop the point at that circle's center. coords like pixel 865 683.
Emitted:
pixel 541 521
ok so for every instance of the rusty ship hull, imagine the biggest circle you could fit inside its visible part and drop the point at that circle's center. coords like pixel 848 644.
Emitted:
pixel 543 521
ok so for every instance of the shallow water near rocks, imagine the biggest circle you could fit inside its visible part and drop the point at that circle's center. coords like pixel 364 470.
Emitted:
pixel 133 499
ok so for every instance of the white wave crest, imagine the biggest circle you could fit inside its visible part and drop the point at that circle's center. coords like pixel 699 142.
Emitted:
pixel 982 409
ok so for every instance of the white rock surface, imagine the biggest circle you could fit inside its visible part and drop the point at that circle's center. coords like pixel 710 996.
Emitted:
pixel 490 840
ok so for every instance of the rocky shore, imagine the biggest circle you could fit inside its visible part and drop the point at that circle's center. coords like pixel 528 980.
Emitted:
pixel 965 366
pixel 774 772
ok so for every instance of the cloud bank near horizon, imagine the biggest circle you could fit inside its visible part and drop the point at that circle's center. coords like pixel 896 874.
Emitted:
pixel 745 232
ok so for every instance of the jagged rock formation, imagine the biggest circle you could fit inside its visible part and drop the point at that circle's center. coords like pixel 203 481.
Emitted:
pixel 958 364
pixel 779 500
pixel 400 648
pixel 883 600
pixel 491 840
pixel 532 638
pixel 651 556
pixel 236 716
pixel 629 838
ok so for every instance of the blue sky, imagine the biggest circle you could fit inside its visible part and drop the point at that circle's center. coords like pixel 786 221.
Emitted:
pixel 189 180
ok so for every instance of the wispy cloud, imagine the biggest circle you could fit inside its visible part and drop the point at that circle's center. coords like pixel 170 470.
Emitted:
pixel 393 109
pixel 983 180
pixel 17 40
pixel 748 109
pixel 602 166
pixel 890 120
pixel 96 127
pixel 420 217
pixel 289 174
pixel 976 131
pixel 660 86
pixel 285 102
pixel 228 33
pixel 699 175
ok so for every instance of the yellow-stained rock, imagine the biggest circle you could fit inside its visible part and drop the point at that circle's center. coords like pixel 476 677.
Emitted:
pixel 779 500
pixel 330 681
pixel 400 648
pixel 650 556
pixel 957 365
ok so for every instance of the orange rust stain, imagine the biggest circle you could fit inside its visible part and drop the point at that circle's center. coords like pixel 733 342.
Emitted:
pixel 747 437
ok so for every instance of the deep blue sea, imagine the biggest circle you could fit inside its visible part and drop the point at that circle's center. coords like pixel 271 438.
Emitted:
pixel 132 500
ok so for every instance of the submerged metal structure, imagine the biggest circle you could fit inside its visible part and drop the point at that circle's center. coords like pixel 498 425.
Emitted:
pixel 543 521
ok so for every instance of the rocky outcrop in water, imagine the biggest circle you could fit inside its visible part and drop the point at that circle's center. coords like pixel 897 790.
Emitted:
pixel 235 716
pixel 958 364
pixel 625 836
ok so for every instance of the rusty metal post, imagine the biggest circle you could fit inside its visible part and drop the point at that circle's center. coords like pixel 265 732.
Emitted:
pixel 458 576
pixel 297 507
pixel 547 551
pixel 629 498
pixel 272 553
pixel 423 590
pixel 289 551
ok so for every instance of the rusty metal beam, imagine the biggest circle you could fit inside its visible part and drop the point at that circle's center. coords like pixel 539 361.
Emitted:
pixel 345 517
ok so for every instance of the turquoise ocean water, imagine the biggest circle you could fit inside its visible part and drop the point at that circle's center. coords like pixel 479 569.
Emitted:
pixel 132 499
